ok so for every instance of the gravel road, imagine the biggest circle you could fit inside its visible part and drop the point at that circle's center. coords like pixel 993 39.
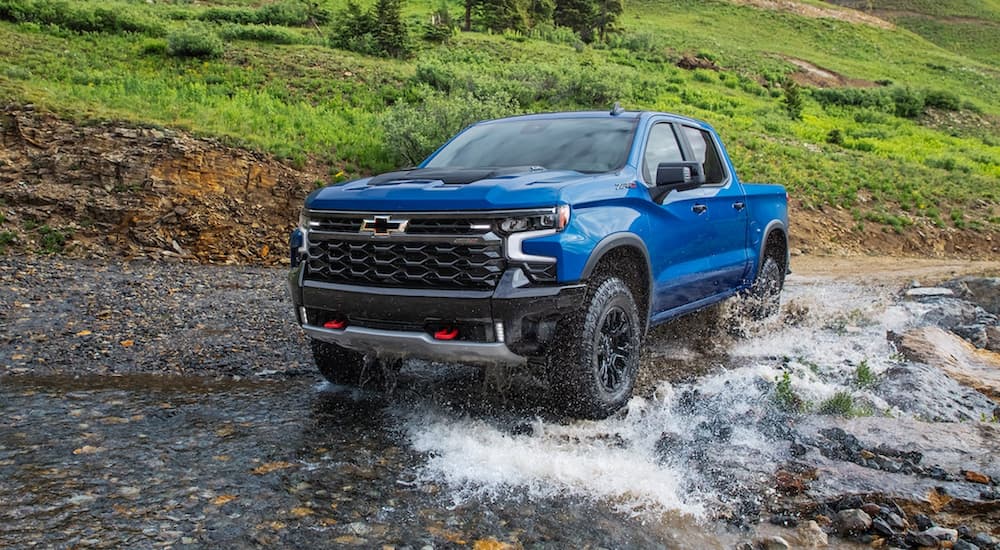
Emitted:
pixel 76 317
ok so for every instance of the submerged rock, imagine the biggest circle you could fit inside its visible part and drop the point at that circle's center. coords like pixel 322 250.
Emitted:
pixel 928 393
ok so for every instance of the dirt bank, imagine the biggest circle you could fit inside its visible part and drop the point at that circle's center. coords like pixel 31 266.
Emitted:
pixel 111 189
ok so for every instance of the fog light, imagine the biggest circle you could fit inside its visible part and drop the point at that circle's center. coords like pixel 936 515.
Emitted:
pixel 498 328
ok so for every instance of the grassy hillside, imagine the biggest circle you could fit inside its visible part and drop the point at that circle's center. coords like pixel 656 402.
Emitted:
pixel 916 140
pixel 968 27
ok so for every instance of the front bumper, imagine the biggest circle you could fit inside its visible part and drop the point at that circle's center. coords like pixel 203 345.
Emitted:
pixel 500 326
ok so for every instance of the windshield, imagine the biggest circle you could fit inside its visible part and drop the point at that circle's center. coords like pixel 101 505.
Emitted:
pixel 581 144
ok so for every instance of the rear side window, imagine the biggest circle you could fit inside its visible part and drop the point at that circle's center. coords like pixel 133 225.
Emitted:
pixel 660 147
pixel 706 153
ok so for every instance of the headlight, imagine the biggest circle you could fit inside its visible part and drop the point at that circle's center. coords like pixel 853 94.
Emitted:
pixel 557 218
pixel 303 220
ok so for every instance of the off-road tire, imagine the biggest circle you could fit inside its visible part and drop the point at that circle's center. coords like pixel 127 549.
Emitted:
pixel 764 296
pixel 595 359
pixel 344 367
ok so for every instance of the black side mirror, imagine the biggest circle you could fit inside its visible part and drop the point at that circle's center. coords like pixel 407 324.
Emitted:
pixel 680 175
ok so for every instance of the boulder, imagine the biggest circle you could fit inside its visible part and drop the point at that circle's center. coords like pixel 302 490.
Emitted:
pixel 982 291
pixel 853 522
pixel 977 369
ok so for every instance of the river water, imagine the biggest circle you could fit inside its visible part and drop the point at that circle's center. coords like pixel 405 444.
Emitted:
pixel 450 458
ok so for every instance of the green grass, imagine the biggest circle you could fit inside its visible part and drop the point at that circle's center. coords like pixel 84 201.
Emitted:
pixel 283 90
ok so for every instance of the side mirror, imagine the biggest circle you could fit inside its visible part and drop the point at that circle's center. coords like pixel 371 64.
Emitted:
pixel 681 176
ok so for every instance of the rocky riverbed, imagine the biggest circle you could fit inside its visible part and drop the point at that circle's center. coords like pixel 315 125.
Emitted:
pixel 174 405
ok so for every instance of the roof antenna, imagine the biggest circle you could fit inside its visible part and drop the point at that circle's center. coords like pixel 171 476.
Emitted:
pixel 617 109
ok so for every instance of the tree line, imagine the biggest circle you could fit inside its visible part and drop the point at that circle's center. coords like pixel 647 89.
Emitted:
pixel 380 29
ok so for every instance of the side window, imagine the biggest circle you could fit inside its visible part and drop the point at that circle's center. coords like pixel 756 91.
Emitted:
pixel 661 146
pixel 706 153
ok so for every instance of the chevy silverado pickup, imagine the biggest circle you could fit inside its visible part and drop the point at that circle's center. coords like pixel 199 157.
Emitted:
pixel 558 239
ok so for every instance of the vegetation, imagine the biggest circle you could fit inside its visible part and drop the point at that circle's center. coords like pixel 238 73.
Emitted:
pixel 369 87
pixel 863 376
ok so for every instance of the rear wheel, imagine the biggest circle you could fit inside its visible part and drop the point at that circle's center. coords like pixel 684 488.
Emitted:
pixel 765 293
pixel 345 367
pixel 596 357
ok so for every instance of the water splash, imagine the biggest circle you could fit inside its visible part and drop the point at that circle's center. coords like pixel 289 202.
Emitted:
pixel 704 448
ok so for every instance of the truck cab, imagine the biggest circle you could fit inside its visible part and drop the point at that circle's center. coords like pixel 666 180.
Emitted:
pixel 556 238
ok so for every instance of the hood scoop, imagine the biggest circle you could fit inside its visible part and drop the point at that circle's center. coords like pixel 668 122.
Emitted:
pixel 448 176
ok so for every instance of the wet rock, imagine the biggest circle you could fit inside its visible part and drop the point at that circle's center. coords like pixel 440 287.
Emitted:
pixel 990 494
pixel 955 357
pixel 921 540
pixel 982 291
pixel 811 535
pixel 772 543
pixel 993 338
pixel 784 520
pixel 942 533
pixel 976 477
pixel 880 526
pixel 896 522
pixel 852 522
pixel 963 545
pixel 929 292
pixel 923 522
pixel 983 540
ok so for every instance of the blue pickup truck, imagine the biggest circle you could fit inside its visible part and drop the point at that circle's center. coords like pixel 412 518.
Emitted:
pixel 553 239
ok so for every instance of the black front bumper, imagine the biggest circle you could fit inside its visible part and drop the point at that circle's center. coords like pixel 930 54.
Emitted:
pixel 499 326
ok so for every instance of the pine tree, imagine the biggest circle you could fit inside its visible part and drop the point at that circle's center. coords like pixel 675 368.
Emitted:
pixel 390 32
pixel 606 15
pixel 578 15
pixel 500 15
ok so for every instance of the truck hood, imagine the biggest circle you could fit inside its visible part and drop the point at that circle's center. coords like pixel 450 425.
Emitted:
pixel 425 189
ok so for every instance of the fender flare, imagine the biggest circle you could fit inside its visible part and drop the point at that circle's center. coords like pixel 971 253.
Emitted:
pixel 617 240
pixel 774 225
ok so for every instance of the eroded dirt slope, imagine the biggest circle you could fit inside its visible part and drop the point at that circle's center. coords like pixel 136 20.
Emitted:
pixel 114 189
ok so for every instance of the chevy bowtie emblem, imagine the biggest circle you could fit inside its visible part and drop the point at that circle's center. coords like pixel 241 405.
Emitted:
pixel 383 226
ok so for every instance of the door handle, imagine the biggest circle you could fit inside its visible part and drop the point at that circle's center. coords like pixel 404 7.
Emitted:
pixel 699 208
pixel 740 205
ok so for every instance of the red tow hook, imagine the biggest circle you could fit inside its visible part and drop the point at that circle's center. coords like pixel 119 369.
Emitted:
pixel 335 324
pixel 446 333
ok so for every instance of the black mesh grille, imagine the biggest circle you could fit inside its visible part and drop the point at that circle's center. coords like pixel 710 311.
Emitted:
pixel 406 264
pixel 344 224
pixel 451 226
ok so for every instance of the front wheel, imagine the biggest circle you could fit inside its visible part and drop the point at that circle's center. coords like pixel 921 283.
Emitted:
pixel 596 357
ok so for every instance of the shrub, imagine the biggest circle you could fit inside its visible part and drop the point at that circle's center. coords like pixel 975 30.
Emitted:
pixel 835 137
pixel 877 98
pixel 863 375
pixel 793 99
pixel 194 41
pixel 260 33
pixel 943 99
pixel 414 131
pixel 80 17
pixel 290 13
pixel 7 238
pixel 53 240
pixel 154 46
pixel 909 103
pixel 841 404
pixel 555 35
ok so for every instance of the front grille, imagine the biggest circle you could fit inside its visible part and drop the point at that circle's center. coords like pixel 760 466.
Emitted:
pixel 338 223
pixel 448 226
pixel 408 264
